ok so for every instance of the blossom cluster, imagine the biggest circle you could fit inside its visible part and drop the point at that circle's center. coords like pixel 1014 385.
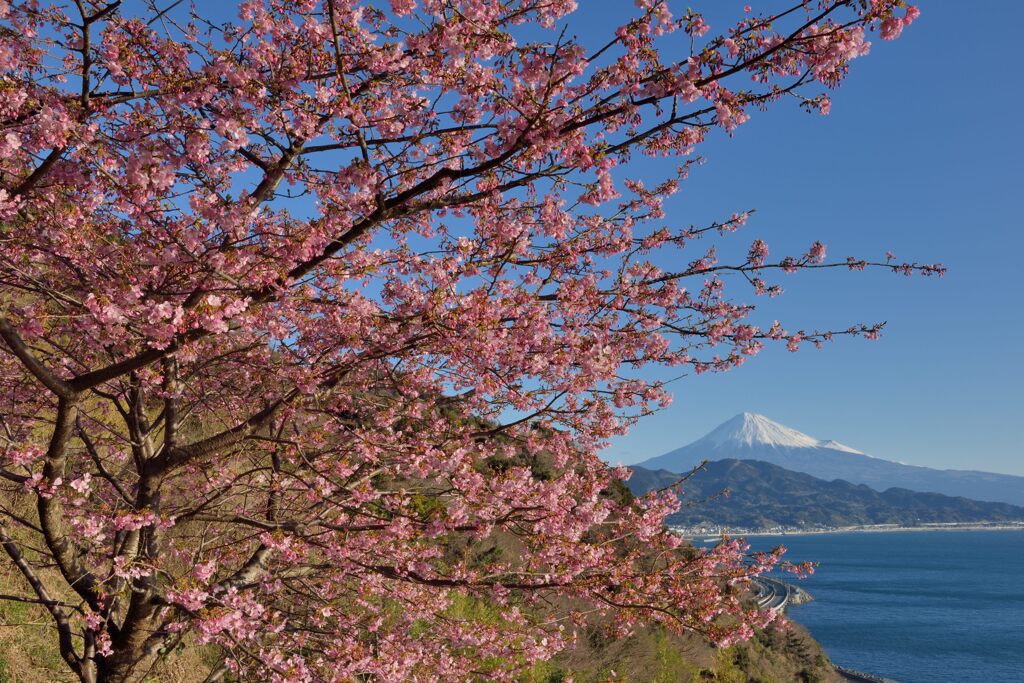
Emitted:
pixel 315 320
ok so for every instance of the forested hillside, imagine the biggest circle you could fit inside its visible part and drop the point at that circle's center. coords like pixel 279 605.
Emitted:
pixel 762 495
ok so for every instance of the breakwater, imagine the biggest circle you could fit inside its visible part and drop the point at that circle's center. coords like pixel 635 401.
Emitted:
pixel 774 595
pixel 860 676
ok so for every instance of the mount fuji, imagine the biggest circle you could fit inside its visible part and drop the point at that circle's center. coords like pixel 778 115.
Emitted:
pixel 750 436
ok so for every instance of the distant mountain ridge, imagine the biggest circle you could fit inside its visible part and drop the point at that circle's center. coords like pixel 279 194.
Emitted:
pixel 750 436
pixel 763 495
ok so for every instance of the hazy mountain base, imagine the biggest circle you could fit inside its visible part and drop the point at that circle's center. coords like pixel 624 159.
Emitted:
pixel 762 495
pixel 755 437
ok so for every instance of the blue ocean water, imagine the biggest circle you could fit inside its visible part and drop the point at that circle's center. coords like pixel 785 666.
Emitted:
pixel 915 606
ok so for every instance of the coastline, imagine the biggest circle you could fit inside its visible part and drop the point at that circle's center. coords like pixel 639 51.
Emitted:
pixel 706 534
pixel 856 676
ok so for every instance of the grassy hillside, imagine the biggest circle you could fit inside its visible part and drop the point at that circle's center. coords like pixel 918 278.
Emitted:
pixel 651 656
pixel 28 654
pixel 776 655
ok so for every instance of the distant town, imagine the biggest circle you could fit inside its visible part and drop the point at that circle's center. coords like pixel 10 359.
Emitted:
pixel 715 532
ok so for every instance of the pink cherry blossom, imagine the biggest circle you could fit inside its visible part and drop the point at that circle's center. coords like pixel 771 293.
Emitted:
pixel 306 310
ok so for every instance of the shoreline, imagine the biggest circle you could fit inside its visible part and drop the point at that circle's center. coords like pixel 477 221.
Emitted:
pixel 857 676
pixel 711 534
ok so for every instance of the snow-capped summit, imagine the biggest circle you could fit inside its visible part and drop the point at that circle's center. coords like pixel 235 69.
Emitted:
pixel 750 436
pixel 748 429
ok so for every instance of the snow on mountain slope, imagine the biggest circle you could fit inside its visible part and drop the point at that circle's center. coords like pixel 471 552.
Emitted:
pixel 842 447
pixel 750 436
pixel 748 429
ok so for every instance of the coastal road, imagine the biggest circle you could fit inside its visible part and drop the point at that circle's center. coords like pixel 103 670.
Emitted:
pixel 771 594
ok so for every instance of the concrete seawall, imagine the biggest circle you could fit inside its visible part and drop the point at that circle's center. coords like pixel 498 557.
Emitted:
pixel 860 676
pixel 775 595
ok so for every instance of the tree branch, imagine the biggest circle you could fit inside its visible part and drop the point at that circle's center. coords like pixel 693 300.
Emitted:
pixel 34 365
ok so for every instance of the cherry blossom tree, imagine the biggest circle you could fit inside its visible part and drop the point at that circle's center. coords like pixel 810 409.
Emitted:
pixel 316 316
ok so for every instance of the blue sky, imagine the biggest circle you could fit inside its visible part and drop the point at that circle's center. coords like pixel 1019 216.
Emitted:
pixel 922 155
